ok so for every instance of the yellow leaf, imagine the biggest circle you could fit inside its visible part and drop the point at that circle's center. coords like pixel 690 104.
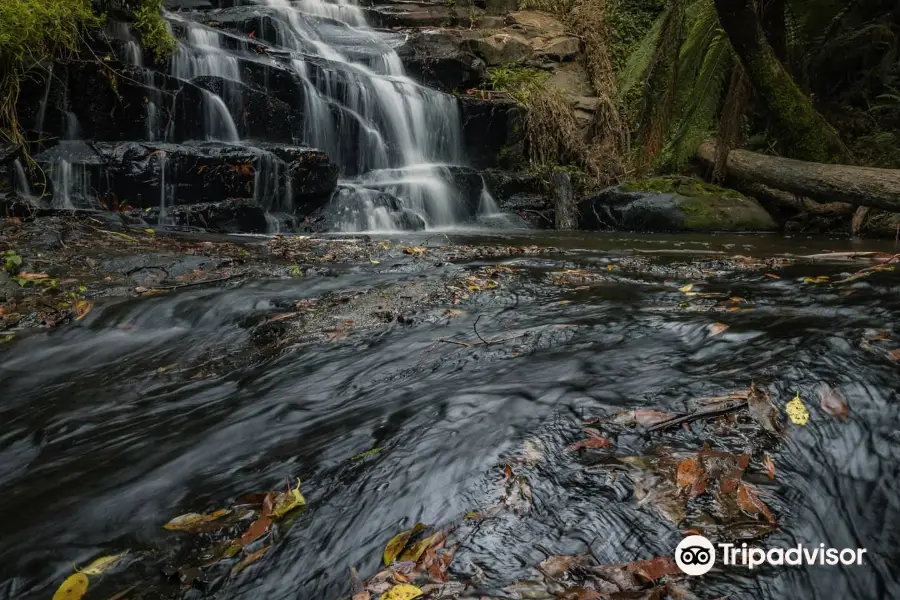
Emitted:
pixel 188 521
pixel 610 267
pixel 414 552
pixel 797 411
pixel 686 288
pixel 398 542
pixel 74 588
pixel 98 565
pixel 285 502
pixel 717 328
pixel 150 231
pixel 374 262
pixel 82 308
pixel 404 591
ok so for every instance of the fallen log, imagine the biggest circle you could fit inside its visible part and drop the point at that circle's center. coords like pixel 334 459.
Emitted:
pixel 864 186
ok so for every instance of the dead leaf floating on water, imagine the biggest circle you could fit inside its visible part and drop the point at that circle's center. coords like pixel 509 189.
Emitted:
pixel 770 466
pixel 760 406
pixel 894 354
pixel 687 288
pixel 99 565
pixel 285 502
pixel 189 521
pixel 397 543
pixel 797 411
pixel 750 503
pixel 72 588
pixel 832 402
pixel 248 560
pixel 81 308
pixel 404 591
pixel 717 328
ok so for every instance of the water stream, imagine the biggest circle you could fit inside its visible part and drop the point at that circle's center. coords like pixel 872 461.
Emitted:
pixel 108 434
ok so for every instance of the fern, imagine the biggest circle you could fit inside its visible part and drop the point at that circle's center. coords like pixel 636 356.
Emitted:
pixel 639 61
pixel 702 103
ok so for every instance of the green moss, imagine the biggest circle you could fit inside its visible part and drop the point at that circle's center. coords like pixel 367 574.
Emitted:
pixel 710 213
pixel 629 22
pixel 684 186
pixel 152 28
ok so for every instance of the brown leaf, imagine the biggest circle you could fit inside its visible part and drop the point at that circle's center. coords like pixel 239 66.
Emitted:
pixel 717 328
pixel 595 440
pixel 770 466
pixel 750 502
pixel 771 275
pixel 760 406
pixel 248 560
pixel 833 402
pixel 688 472
pixel 363 595
pixel 556 566
pixel 894 354
pixel 32 276
pixel 257 529
pixel 655 568
pixel 268 503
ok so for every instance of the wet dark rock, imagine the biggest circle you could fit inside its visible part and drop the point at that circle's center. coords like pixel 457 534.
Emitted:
pixel 680 206
pixel 351 208
pixel 234 215
pixel 106 105
pixel 503 184
pixel 133 173
pixel 257 20
pixel 256 114
pixel 492 132
pixel 408 14
pixel 436 58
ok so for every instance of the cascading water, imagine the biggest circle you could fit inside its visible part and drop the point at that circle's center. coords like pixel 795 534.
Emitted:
pixel 386 132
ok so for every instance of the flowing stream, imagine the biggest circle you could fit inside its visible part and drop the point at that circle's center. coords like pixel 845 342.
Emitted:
pixel 108 434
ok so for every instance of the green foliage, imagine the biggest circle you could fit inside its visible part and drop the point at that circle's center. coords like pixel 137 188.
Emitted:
pixel 12 262
pixel 559 8
pixel 155 35
pixel 518 82
pixel 34 32
pixel 630 21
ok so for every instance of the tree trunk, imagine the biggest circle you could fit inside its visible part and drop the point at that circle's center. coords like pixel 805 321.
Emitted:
pixel 772 13
pixel 865 186
pixel 804 132
pixel 563 201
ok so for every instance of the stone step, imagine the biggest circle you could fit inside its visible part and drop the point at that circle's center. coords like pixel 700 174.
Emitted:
pixel 144 175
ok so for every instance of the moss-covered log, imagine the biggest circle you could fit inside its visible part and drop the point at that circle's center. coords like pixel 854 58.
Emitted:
pixel 865 186
pixel 804 132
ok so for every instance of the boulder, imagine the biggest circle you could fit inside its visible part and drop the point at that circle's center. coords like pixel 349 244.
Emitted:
pixel 500 49
pixel 560 48
pixel 672 204
pixel 436 58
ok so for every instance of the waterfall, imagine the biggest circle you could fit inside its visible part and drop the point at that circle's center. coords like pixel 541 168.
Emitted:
pixel 22 187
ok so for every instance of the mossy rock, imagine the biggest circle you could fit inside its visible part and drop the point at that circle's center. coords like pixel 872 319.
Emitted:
pixel 673 204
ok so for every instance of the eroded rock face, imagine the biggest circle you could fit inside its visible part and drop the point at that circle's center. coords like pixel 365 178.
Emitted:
pixel 668 207
pixel 492 131
pixel 145 174
pixel 437 58
pixel 500 49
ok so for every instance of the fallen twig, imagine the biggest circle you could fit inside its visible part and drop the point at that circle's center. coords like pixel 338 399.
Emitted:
pixel 179 286
pixel 698 414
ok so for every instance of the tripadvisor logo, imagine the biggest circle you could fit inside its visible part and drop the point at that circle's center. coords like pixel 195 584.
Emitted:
pixel 695 555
